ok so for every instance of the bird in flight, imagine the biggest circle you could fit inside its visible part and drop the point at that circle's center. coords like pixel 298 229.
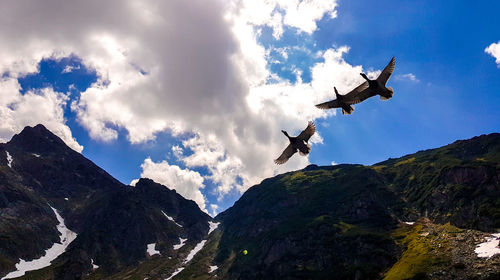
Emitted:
pixel 298 143
pixel 377 86
pixel 363 91
pixel 344 101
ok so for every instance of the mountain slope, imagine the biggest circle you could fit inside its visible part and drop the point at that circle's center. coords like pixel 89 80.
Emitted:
pixel 347 220
pixel 114 223
pixel 310 224
pixel 458 183
pixel 420 216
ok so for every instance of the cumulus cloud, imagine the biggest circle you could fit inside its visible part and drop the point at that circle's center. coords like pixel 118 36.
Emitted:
pixel 186 182
pixel 407 77
pixel 44 106
pixel 177 151
pixel 214 208
pixel 69 69
pixel 494 50
pixel 276 14
pixel 185 67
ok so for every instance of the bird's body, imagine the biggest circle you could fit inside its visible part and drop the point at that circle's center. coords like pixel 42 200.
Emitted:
pixel 298 143
pixel 377 86
pixel 363 91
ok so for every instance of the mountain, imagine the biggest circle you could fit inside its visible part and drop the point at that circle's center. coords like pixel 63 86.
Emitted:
pixel 348 221
pixel 113 222
pixel 420 216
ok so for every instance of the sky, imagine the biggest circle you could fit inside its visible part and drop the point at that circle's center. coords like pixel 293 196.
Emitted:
pixel 194 94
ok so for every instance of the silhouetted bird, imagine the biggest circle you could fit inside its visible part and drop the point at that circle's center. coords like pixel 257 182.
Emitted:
pixel 298 143
pixel 363 91
pixel 344 101
pixel 378 86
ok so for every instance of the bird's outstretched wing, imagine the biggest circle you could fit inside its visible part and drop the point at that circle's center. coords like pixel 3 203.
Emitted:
pixel 350 98
pixel 329 104
pixel 358 94
pixel 362 96
pixel 308 132
pixel 386 74
pixel 287 153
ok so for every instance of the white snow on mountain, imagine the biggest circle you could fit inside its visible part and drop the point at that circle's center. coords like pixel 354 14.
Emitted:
pixel 213 268
pixel 182 243
pixel 175 273
pixel 196 249
pixel 67 236
pixel 489 248
pixel 190 256
pixel 9 159
pixel 212 226
pixel 94 266
pixel 170 218
pixel 151 249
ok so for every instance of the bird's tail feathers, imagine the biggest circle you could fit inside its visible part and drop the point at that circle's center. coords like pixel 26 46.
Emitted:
pixel 306 152
pixel 390 93
pixel 347 110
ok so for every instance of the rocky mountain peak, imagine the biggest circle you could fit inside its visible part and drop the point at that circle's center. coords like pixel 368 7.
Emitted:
pixel 38 139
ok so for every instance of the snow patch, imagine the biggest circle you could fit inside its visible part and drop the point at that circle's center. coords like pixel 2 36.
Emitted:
pixel 213 268
pixel 9 159
pixel 151 250
pixel 193 252
pixel 489 248
pixel 67 236
pixel 133 182
pixel 182 243
pixel 36 155
pixel 170 218
pixel 212 226
pixel 196 249
pixel 190 256
pixel 94 266
pixel 409 223
pixel 66 198
pixel 175 273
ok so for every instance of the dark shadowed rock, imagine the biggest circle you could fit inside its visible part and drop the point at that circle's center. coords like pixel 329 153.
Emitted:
pixel 114 222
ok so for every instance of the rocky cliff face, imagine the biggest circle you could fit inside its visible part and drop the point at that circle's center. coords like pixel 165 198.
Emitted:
pixel 421 216
pixel 114 223
pixel 311 224
pixel 347 221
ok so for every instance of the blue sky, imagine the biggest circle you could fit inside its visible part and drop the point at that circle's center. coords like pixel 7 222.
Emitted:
pixel 446 88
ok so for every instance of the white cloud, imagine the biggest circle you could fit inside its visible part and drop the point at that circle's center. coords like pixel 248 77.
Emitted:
pixel 206 74
pixel 177 151
pixel 186 182
pixel 407 77
pixel 44 106
pixel 214 208
pixel 69 68
pixel 278 13
pixel 494 50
